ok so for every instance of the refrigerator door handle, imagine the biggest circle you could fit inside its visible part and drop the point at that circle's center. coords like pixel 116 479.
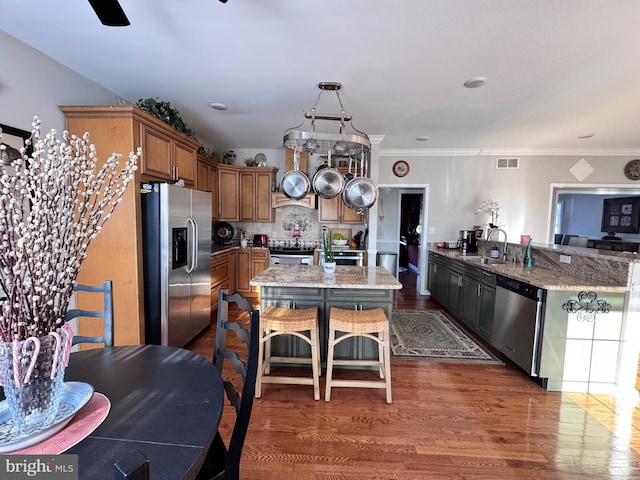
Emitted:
pixel 194 244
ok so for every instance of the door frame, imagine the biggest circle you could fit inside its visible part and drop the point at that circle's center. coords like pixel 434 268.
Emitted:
pixel 411 188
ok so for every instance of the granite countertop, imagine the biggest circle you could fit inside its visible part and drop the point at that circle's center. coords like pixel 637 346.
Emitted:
pixel 217 248
pixel 313 276
pixel 539 277
pixel 342 249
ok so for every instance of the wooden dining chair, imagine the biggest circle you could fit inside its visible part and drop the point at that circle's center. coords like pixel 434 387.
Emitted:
pixel 106 314
pixel 222 462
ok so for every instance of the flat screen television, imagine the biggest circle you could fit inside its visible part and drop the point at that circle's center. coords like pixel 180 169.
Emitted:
pixel 620 215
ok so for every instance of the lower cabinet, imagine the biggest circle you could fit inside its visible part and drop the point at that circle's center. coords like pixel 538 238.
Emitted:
pixel 250 262
pixel 470 296
pixel 487 305
pixel 454 291
pixel 468 292
pixel 438 277
pixel 223 268
pixel 325 298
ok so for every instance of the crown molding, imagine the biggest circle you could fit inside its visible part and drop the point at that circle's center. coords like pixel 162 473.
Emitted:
pixel 512 152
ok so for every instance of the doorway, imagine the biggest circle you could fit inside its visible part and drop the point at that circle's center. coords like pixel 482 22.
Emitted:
pixel 392 219
pixel 410 230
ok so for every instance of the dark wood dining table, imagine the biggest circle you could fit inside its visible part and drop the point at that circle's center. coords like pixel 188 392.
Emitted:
pixel 165 402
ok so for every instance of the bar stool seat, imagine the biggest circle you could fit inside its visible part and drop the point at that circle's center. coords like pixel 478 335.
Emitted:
pixel 275 321
pixel 361 323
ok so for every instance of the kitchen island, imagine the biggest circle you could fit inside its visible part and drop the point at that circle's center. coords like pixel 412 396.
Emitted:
pixel 305 286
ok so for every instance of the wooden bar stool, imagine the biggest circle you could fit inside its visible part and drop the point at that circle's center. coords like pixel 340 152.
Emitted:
pixel 360 323
pixel 275 321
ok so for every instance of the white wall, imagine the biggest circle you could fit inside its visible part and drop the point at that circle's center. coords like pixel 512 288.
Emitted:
pixel 36 85
pixel 459 184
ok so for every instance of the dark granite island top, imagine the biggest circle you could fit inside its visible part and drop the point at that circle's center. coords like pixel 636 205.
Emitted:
pixel 312 276
pixel 307 286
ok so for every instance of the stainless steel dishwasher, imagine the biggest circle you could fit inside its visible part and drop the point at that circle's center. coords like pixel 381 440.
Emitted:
pixel 518 322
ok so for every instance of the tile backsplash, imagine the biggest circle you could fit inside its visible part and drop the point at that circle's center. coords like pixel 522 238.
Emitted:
pixel 287 220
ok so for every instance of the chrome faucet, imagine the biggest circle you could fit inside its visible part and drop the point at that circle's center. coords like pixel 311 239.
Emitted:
pixel 504 246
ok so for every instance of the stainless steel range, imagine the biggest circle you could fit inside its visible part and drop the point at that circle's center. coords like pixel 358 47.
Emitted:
pixel 291 255
pixel 345 256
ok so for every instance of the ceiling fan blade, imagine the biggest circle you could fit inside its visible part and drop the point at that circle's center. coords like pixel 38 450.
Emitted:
pixel 110 13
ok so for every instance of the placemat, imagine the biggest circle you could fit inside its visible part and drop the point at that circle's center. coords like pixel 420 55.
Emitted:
pixel 86 421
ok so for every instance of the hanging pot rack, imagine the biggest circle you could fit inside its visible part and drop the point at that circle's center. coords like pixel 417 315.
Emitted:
pixel 344 142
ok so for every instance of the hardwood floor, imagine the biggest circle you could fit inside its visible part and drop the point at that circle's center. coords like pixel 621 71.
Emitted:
pixel 447 421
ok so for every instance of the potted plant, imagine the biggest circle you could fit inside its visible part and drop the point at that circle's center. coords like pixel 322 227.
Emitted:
pixel 53 203
pixel 329 261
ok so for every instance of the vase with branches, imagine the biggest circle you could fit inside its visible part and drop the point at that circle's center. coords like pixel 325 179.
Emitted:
pixel 53 203
pixel 329 261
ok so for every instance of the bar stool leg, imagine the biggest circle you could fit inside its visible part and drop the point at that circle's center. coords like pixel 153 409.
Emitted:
pixel 315 362
pixel 381 357
pixel 386 357
pixel 267 359
pixel 261 364
pixel 327 389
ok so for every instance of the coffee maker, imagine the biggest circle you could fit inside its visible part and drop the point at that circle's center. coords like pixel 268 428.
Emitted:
pixel 467 241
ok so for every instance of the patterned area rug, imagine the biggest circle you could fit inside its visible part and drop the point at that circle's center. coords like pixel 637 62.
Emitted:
pixel 431 335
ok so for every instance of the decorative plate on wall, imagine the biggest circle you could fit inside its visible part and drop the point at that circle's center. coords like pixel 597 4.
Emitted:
pixel 632 170
pixel 400 168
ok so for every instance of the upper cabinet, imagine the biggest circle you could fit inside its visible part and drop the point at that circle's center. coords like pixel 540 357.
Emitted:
pixel 333 210
pixel 245 193
pixel 167 156
pixel 228 187
pixel 255 194
pixel 207 181
pixel 288 160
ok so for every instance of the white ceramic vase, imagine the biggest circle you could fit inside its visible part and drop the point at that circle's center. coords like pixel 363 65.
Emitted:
pixel 329 267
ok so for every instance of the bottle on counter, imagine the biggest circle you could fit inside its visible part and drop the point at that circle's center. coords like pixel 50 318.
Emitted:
pixel 495 253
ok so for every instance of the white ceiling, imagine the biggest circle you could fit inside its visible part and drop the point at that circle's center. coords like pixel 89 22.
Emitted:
pixel 555 69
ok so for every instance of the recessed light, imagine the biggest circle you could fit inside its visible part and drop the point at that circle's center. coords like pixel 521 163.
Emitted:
pixel 475 82
pixel 582 137
pixel 422 138
pixel 218 106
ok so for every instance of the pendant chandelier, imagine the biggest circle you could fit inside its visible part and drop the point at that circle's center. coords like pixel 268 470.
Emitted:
pixel 346 141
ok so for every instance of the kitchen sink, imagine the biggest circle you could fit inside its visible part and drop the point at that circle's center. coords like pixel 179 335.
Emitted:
pixel 485 260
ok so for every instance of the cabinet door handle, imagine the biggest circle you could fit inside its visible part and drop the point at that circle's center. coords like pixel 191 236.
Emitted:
pixel 479 289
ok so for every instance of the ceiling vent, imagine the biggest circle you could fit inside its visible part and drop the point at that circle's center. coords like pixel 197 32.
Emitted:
pixel 507 163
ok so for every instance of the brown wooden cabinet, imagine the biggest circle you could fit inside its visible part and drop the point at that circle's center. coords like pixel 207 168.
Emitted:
pixel 250 262
pixel 245 193
pixel 255 194
pixel 333 210
pixel 288 160
pixel 207 181
pixel 223 267
pixel 167 157
pixel 116 253
pixel 228 186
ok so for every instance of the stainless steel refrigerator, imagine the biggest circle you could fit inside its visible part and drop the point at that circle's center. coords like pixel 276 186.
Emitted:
pixel 176 233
